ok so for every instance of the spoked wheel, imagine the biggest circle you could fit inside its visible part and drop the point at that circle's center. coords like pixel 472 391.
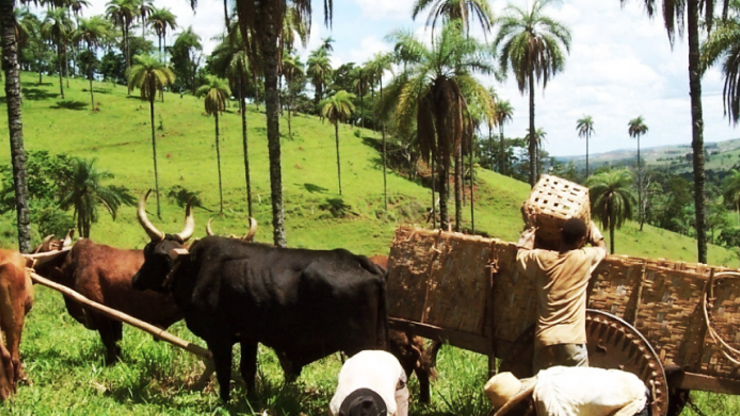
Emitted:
pixel 612 343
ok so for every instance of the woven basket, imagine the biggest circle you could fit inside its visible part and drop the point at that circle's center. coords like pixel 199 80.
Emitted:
pixel 552 201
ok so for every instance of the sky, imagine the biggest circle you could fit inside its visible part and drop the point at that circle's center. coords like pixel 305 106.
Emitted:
pixel 620 66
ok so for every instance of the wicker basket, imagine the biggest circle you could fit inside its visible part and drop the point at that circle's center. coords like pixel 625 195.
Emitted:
pixel 552 201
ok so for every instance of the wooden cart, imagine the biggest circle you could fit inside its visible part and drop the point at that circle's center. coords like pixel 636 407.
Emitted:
pixel 674 324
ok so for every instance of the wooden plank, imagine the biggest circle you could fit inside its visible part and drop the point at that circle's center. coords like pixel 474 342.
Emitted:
pixel 465 340
pixel 701 382
pixel 157 332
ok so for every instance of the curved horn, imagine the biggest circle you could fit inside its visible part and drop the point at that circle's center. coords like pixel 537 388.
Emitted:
pixel 68 238
pixel 187 232
pixel 209 231
pixel 152 231
pixel 252 230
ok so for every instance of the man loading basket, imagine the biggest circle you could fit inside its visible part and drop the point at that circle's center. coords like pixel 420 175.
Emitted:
pixel 561 279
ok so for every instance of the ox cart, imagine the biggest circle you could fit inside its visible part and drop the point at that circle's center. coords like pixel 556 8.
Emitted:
pixel 674 324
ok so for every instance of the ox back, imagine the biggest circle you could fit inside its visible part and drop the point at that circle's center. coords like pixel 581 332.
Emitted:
pixel 103 274
pixel 305 304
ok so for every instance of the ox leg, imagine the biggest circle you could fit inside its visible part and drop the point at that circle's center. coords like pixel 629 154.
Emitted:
pixel 248 365
pixel 111 332
pixel 222 359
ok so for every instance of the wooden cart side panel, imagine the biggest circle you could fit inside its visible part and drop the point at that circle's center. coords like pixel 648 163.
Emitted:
pixel 724 315
pixel 440 279
pixel 514 299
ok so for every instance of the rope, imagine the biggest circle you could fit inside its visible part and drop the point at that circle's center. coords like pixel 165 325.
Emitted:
pixel 731 353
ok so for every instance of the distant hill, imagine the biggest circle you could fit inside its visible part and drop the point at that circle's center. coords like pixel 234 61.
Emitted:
pixel 720 156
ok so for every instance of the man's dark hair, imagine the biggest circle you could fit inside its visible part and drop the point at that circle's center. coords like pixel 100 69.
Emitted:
pixel 573 230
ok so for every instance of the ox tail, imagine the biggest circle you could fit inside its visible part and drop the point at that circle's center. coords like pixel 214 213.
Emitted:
pixel 382 322
pixel 428 360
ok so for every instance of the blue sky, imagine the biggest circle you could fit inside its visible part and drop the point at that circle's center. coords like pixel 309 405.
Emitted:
pixel 620 66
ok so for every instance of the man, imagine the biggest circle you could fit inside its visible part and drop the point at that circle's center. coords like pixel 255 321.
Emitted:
pixel 371 383
pixel 561 280
pixel 570 391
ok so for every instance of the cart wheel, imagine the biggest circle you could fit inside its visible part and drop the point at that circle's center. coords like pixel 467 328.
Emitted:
pixel 612 343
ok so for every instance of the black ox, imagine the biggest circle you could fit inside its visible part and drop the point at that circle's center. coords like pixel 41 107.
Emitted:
pixel 305 304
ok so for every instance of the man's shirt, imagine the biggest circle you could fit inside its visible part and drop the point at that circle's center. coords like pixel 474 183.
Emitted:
pixel 561 280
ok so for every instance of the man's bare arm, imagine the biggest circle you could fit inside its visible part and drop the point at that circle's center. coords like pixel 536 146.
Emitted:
pixel 597 240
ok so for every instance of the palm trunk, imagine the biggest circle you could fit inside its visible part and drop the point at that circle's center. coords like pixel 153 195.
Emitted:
pixel 434 186
pixel 161 57
pixel 90 75
pixel 226 16
pixel 339 170
pixel 502 162
pixel 15 125
pixel 218 161
pixel 66 65
pixel 444 191
pixel 385 162
pixel 532 132
pixel 272 111
pixel 472 184
pixel 243 108
pixel 290 104
pixel 697 130
pixel 639 183
pixel 59 66
pixel 154 154
pixel 458 188
pixel 587 156
pixel 612 223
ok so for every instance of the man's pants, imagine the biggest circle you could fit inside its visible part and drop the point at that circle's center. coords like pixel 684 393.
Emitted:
pixel 569 355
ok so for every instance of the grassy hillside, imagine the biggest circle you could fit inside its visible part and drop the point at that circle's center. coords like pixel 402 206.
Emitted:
pixel 64 360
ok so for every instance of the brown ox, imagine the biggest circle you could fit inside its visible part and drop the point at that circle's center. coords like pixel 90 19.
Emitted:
pixel 16 299
pixel 411 350
pixel 103 274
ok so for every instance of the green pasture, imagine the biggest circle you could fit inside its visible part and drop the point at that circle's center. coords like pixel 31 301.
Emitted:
pixel 64 360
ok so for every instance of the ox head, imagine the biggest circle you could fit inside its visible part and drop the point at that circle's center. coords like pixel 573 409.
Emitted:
pixel 158 260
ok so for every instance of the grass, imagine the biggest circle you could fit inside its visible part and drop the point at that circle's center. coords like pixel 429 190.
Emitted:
pixel 64 360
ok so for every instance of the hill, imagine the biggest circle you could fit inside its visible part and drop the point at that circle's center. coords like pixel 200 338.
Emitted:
pixel 118 137
pixel 720 156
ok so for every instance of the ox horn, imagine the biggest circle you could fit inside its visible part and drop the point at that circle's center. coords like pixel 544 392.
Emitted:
pixel 252 230
pixel 150 229
pixel 209 231
pixel 187 232
pixel 68 238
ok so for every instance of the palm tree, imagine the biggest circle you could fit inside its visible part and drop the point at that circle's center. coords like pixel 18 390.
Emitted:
pixel 230 61
pixel 162 20
pixel 731 190
pixel 359 85
pixel 122 13
pixel 462 10
pixel 319 72
pixel 636 129
pixel 504 113
pixel 58 28
pixel 612 200
pixel 293 72
pixel 216 92
pixel 338 108
pixel 15 125
pixel 434 91
pixel 189 41
pixel 150 76
pixel 585 128
pixel 674 13
pixel 144 9
pixel 376 69
pixel 530 43
pixel 261 24
pixel 92 31
pixel 84 192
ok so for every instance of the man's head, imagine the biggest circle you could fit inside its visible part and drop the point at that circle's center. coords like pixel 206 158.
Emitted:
pixel 574 233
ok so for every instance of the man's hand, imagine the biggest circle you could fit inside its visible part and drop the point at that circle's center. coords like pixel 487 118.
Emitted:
pixel 526 241
pixel 595 237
